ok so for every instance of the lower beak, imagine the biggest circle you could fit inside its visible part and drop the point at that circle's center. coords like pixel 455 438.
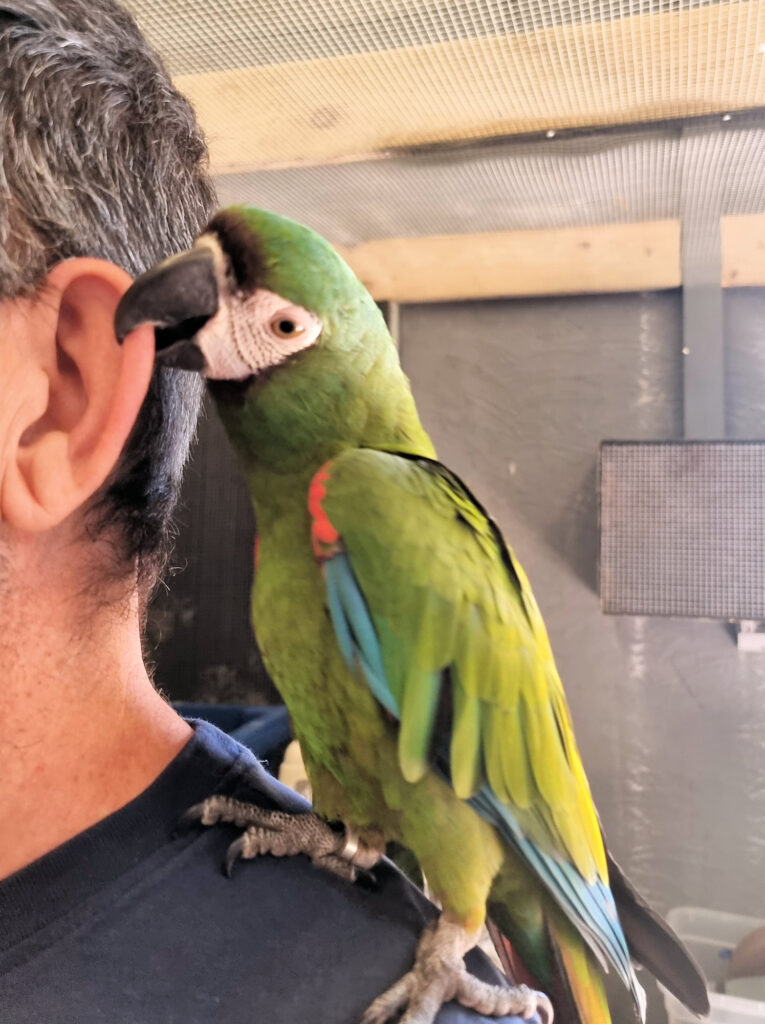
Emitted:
pixel 178 296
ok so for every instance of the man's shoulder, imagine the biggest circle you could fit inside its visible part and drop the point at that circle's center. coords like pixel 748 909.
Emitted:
pixel 353 939
pixel 156 931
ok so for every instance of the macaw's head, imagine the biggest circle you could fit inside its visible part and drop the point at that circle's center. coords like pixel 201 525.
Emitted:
pixel 294 347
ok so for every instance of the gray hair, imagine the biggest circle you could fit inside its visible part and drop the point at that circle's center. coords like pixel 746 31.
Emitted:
pixel 100 156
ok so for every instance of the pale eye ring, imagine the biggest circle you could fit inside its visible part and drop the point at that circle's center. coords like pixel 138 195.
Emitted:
pixel 285 326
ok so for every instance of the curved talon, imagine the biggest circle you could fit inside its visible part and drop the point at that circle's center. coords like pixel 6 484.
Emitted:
pixel 391 1002
pixel 233 853
pixel 544 1008
pixel 193 816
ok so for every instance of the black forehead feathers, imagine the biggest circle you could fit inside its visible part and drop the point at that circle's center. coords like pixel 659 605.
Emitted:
pixel 241 247
pixel 20 18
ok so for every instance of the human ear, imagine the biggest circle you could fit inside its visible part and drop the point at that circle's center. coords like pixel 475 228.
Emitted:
pixel 73 393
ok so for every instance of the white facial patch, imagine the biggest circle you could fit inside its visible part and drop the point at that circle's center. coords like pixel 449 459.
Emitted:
pixel 247 336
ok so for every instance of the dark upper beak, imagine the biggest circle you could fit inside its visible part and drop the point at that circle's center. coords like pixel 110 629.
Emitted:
pixel 178 296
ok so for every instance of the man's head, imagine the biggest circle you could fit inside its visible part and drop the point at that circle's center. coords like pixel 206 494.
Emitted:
pixel 99 157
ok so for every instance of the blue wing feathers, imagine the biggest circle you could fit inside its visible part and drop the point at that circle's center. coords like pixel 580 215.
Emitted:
pixel 590 907
pixel 354 629
pixel 339 620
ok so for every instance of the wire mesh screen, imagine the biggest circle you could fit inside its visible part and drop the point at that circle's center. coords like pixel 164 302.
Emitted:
pixel 352 115
pixel 587 180
pixel 683 529
pixel 526 64
pixel 284 83
pixel 239 33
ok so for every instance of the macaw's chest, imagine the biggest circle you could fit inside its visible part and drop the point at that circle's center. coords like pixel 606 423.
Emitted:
pixel 333 712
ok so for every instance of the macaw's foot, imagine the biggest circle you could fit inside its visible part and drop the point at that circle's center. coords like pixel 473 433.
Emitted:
pixel 337 849
pixel 439 975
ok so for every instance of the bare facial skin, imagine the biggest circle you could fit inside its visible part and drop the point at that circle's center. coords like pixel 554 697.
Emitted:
pixel 82 729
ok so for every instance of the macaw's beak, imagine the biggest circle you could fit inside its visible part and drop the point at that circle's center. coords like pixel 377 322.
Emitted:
pixel 178 296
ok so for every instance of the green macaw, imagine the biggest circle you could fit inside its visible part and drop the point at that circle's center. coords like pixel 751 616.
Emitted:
pixel 402 634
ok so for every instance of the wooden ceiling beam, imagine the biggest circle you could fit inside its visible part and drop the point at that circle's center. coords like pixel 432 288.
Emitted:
pixel 571 261
pixel 604 258
pixel 743 251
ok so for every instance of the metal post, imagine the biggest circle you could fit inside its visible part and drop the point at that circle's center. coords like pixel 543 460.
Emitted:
pixel 703 343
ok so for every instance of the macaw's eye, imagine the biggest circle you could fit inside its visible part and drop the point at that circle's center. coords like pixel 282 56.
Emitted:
pixel 292 327
pixel 285 326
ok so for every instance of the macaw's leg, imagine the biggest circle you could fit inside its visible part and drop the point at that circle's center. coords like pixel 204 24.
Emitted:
pixel 439 975
pixel 334 848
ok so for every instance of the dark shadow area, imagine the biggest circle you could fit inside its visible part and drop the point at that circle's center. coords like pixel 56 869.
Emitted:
pixel 199 635
pixel 576 533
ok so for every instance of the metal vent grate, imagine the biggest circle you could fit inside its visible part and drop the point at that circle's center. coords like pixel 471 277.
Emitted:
pixel 683 529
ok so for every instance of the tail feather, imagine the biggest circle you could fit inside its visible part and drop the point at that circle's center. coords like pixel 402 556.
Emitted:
pixel 653 944
pixel 578 978
pixel 512 965
pixel 576 987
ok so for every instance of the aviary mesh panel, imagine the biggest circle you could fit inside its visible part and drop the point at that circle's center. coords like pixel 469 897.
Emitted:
pixel 319 81
pixel 514 186
pixel 316 108
pixel 641 53
pixel 683 529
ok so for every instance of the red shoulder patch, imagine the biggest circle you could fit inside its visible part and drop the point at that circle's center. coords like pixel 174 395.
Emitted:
pixel 324 537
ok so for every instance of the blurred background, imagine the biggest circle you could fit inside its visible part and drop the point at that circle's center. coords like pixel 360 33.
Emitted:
pixel 560 205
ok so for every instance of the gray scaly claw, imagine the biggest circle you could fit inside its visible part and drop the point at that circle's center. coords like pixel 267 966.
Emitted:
pixel 439 975
pixel 284 835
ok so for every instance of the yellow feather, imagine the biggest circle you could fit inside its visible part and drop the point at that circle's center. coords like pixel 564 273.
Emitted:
pixel 465 752
pixel 583 979
pixel 421 694
pixel 515 762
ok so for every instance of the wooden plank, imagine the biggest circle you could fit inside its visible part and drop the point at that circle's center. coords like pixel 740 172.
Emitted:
pixel 605 258
pixel 743 251
pixel 663 64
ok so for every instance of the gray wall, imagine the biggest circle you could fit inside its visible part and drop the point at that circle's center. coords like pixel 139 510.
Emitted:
pixel 670 718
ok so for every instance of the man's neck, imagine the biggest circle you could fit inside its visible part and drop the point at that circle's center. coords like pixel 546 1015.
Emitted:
pixel 82 729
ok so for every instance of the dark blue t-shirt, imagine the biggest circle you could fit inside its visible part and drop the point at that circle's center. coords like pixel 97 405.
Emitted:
pixel 125 925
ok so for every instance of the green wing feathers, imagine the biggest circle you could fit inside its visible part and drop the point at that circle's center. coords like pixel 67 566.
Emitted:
pixel 463 646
